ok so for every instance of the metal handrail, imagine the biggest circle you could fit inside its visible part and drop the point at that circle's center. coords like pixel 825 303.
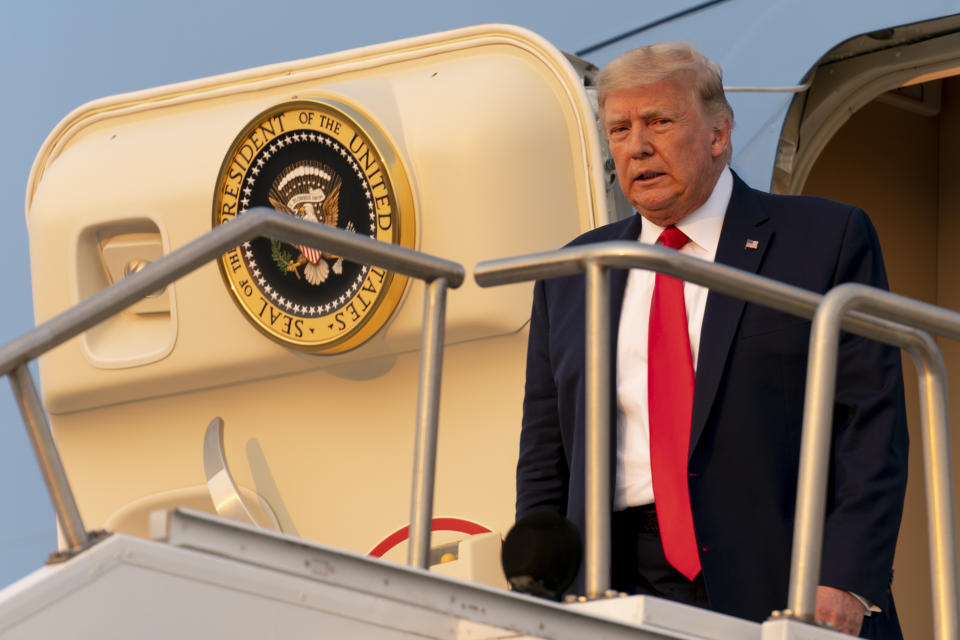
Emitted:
pixel 596 259
pixel 439 274
pixel 815 445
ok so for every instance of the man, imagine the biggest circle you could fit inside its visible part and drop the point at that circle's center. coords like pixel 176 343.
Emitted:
pixel 721 388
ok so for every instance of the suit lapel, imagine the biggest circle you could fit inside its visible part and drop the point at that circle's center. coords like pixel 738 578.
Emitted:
pixel 742 223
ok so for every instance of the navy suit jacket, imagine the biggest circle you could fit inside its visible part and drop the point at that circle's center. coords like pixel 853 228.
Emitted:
pixel 748 406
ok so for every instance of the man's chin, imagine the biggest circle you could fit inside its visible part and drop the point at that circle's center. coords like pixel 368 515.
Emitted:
pixel 654 201
pixel 660 214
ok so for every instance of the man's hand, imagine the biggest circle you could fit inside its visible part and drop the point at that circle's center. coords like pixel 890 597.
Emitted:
pixel 839 608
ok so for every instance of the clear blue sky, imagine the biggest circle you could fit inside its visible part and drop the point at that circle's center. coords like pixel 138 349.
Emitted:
pixel 58 54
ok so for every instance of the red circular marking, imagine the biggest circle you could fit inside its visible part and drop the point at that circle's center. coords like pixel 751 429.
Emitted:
pixel 439 524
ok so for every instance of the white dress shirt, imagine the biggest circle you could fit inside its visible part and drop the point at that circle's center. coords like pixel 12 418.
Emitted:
pixel 634 482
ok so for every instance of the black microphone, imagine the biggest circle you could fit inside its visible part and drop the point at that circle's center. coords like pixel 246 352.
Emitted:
pixel 541 555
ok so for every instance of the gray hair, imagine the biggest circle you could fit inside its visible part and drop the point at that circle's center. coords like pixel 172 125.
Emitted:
pixel 657 62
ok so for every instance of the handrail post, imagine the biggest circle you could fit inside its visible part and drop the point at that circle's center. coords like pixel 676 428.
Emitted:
pixel 51 467
pixel 597 476
pixel 941 529
pixel 428 408
pixel 814 450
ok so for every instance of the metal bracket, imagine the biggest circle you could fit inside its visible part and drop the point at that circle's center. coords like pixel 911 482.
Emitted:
pixel 62 555
pixel 223 490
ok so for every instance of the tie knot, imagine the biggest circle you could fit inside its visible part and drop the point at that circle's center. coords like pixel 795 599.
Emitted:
pixel 673 238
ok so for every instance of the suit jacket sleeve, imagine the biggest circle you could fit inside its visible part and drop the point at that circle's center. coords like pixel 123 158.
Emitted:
pixel 869 450
pixel 542 472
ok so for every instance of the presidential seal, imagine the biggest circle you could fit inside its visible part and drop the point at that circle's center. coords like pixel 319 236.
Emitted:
pixel 325 162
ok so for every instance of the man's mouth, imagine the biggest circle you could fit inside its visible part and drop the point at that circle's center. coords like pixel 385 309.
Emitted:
pixel 648 175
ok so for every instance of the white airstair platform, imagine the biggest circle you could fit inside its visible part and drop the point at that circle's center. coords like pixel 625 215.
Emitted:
pixel 213 578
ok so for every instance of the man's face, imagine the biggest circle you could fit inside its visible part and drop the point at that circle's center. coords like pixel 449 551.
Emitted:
pixel 667 151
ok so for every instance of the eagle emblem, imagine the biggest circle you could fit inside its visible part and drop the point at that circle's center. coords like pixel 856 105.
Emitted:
pixel 311 191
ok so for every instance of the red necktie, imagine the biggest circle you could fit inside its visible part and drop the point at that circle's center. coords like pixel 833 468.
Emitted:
pixel 670 398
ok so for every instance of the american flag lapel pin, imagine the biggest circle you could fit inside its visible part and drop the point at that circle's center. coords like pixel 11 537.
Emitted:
pixel 752 244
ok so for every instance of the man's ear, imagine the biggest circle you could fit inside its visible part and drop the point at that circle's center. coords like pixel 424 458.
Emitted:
pixel 721 135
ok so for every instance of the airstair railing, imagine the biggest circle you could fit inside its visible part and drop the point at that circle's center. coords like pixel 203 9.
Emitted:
pixel 839 303
pixel 596 260
pixel 438 274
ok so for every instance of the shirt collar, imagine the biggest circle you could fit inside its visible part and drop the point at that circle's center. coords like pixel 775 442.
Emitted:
pixel 704 224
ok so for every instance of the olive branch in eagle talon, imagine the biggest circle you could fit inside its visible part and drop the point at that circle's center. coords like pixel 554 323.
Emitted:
pixel 281 258
pixel 310 191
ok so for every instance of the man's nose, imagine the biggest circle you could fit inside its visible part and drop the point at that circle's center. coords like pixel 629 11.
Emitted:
pixel 639 143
